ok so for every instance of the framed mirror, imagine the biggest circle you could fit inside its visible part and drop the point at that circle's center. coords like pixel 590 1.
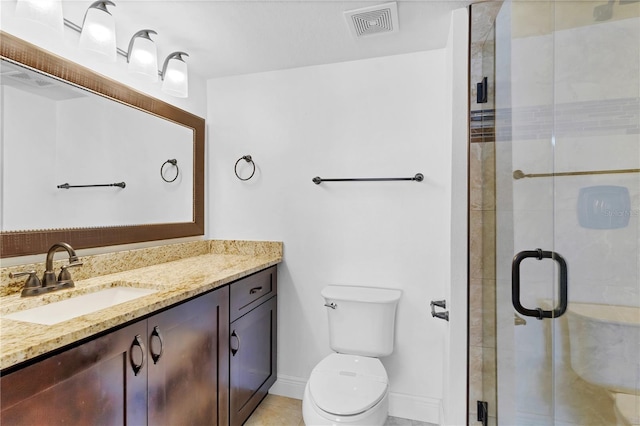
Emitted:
pixel 90 161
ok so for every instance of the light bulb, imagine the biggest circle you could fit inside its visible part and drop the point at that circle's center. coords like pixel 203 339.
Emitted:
pixel 175 76
pixel 99 31
pixel 46 12
pixel 142 55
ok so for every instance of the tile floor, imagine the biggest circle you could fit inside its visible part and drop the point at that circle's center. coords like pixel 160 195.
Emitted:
pixel 281 411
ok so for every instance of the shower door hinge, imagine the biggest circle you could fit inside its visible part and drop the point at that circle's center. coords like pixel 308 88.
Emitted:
pixel 483 412
pixel 482 91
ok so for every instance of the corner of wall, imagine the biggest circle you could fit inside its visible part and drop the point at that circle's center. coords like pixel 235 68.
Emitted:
pixel 455 368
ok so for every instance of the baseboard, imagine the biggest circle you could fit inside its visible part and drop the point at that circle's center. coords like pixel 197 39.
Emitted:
pixel 413 407
pixel 405 406
pixel 289 386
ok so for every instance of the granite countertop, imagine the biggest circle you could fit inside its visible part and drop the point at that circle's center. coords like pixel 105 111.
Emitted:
pixel 174 281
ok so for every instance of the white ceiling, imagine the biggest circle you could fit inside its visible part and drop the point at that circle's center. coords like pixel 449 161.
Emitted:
pixel 234 37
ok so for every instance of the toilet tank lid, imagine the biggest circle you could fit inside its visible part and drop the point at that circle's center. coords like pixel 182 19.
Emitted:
pixel 361 294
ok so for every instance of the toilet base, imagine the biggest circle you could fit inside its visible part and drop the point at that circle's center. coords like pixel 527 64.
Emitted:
pixel 314 416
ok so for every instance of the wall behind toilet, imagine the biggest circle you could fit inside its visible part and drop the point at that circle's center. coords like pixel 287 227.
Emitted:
pixel 382 117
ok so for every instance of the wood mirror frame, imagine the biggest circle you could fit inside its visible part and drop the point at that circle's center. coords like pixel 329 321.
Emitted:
pixel 21 243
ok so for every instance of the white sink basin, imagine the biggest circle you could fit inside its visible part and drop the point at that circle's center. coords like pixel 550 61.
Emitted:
pixel 56 312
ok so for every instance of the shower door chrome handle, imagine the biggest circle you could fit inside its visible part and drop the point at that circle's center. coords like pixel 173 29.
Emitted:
pixel 539 313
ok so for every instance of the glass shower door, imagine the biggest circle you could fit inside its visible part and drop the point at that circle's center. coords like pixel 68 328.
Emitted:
pixel 524 214
pixel 567 182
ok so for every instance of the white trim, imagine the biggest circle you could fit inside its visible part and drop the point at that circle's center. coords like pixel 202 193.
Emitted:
pixel 289 386
pixel 401 405
pixel 454 392
pixel 413 407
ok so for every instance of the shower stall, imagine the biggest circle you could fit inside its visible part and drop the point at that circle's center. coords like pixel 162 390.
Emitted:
pixel 554 282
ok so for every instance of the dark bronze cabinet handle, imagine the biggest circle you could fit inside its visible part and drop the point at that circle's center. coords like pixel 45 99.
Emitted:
pixel 137 341
pixel 156 333
pixel 255 290
pixel 236 349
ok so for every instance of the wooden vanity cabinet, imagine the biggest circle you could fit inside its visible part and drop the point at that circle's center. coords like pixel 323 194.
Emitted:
pixel 252 342
pixel 90 384
pixel 187 363
pixel 207 361
pixel 169 369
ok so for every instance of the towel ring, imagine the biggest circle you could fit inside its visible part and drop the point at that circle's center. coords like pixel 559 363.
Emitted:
pixel 248 159
pixel 173 162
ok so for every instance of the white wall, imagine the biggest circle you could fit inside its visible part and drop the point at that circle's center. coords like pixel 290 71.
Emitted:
pixel 372 118
pixel 456 343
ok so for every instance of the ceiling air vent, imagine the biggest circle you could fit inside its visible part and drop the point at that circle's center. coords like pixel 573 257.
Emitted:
pixel 380 19
pixel 11 71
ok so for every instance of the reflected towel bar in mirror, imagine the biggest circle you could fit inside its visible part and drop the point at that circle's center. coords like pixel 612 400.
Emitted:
pixel 419 177
pixel 67 186
pixel 519 174
pixel 174 163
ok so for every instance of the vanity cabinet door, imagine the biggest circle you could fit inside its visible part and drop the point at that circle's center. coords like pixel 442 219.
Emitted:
pixel 187 385
pixel 252 346
pixel 91 384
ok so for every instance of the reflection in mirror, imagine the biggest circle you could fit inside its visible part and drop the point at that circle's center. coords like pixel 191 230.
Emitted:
pixel 66 135
pixel 62 133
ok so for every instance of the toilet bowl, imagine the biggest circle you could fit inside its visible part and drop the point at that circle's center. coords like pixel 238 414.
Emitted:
pixel 347 389
pixel 351 386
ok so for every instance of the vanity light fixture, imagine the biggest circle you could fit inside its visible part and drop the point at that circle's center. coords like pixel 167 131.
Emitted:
pixel 98 34
pixel 99 30
pixel 142 55
pixel 175 78
pixel 46 12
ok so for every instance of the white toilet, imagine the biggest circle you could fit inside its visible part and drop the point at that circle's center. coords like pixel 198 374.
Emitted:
pixel 351 387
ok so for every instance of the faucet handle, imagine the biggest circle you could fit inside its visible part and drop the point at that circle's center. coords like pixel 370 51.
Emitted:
pixel 32 281
pixel 32 286
pixel 66 275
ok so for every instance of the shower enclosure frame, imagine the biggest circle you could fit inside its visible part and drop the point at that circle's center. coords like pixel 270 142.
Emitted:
pixel 501 190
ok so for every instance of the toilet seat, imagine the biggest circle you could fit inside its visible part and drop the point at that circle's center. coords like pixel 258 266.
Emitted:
pixel 347 385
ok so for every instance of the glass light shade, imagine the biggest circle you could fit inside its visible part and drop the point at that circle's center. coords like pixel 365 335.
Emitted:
pixel 46 12
pixel 175 77
pixel 143 56
pixel 99 32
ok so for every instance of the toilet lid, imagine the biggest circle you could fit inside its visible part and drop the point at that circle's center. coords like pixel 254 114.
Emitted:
pixel 347 384
pixel 629 407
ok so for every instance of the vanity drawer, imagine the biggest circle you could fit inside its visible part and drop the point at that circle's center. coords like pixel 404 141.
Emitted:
pixel 251 291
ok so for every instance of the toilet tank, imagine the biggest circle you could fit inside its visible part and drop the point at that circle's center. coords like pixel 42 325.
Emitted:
pixel 361 319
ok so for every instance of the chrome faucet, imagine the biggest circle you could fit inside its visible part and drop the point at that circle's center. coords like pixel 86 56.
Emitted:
pixel 33 286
